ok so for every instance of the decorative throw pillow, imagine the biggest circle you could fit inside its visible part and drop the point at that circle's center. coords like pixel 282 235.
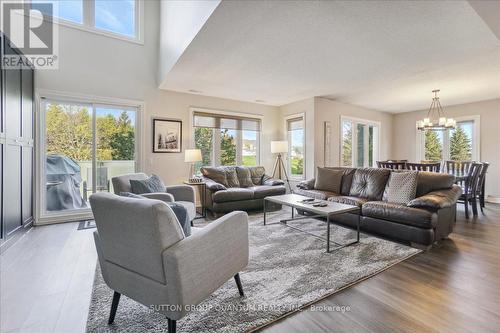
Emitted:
pixel 244 176
pixel 329 180
pixel 218 174
pixel 401 187
pixel 256 174
pixel 152 184
pixel 232 177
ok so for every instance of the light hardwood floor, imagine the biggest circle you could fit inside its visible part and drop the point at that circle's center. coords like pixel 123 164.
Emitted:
pixel 46 281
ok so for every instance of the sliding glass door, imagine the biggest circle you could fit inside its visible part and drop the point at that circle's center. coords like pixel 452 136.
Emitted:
pixel 84 146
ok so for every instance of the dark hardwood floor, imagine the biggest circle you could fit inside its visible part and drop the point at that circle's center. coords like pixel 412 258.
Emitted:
pixel 454 287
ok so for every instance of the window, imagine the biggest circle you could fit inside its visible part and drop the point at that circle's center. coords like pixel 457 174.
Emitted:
pixel 296 147
pixel 359 142
pixel 117 17
pixel 460 144
pixel 226 139
pixel 84 146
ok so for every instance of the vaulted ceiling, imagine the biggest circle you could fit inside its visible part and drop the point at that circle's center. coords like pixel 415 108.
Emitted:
pixel 384 55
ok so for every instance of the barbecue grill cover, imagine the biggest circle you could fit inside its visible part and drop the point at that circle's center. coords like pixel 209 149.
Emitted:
pixel 63 184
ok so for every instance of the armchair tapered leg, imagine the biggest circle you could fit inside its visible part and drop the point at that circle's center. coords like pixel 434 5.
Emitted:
pixel 172 325
pixel 238 283
pixel 114 307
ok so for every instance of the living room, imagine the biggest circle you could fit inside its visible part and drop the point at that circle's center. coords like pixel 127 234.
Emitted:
pixel 258 121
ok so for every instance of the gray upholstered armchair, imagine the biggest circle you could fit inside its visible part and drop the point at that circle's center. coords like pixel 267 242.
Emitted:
pixel 182 194
pixel 144 254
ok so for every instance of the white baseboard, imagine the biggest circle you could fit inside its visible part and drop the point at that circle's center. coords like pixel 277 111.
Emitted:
pixel 492 199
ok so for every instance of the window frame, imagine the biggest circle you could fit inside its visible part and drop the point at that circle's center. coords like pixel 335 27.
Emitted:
pixel 476 140
pixel 288 164
pixel 88 22
pixel 354 136
pixel 215 158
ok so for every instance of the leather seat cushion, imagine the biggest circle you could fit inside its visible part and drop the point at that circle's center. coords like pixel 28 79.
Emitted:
pixel 355 201
pixel 369 183
pixel 260 192
pixel 233 194
pixel 400 213
pixel 316 194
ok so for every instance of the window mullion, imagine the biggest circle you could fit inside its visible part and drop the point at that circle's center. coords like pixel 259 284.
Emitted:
pixel 89 13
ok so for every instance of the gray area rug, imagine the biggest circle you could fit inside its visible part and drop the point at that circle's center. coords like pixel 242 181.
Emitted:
pixel 288 270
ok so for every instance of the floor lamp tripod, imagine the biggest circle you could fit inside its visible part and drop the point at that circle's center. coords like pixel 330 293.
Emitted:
pixel 279 147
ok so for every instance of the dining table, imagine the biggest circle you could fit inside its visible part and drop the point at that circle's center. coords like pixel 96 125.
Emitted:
pixel 460 176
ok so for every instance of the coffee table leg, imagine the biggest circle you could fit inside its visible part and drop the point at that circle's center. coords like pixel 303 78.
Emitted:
pixel 293 212
pixel 359 218
pixel 328 233
pixel 264 211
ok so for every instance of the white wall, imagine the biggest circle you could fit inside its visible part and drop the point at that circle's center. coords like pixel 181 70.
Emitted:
pixel 97 65
pixel 404 136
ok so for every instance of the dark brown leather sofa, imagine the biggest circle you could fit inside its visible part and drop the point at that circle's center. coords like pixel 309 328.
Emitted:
pixel 239 188
pixel 424 220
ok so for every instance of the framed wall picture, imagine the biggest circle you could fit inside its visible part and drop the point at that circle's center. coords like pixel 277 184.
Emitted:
pixel 167 135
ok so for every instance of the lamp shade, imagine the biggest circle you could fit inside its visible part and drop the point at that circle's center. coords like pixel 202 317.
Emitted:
pixel 192 155
pixel 279 147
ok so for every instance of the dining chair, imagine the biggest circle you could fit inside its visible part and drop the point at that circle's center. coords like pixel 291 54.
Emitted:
pixel 432 167
pixel 469 190
pixel 481 185
pixel 458 166
pixel 400 165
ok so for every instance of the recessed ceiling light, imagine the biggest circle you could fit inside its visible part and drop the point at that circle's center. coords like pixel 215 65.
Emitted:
pixel 259 101
pixel 194 91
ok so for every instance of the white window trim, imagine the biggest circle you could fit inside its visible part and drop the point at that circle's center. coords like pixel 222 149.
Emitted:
pixel 88 24
pixel 40 96
pixel 354 121
pixel 288 165
pixel 476 139
pixel 239 141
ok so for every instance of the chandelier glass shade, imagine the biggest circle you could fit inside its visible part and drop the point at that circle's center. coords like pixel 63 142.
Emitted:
pixel 435 119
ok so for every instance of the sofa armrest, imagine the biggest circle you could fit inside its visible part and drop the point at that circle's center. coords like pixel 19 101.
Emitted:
pixel 270 181
pixel 213 186
pixel 165 197
pixel 181 192
pixel 437 199
pixel 211 255
pixel 307 184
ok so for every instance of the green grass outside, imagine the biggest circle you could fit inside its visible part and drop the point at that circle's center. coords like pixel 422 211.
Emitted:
pixel 249 160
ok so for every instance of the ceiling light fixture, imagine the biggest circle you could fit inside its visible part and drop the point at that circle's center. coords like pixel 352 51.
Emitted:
pixel 435 119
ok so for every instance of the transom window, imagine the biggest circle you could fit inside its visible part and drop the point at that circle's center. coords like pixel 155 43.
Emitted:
pixel 460 144
pixel 226 140
pixel 359 142
pixel 116 17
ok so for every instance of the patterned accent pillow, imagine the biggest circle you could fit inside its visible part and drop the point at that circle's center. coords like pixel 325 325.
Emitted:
pixel 401 187
pixel 152 184
pixel 232 177
pixel 256 174
pixel 244 176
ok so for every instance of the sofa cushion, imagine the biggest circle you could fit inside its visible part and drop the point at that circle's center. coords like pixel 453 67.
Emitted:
pixel 401 187
pixel 347 180
pixel 152 184
pixel 328 180
pixel 316 194
pixel 437 199
pixel 232 177
pixel 217 174
pixel 433 181
pixel 400 213
pixel 369 183
pixel 244 176
pixel 233 194
pixel 256 174
pixel 260 192
pixel 354 201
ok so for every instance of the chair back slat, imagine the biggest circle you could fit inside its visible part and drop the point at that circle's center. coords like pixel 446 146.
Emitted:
pixel 431 167
pixel 458 166
pixel 472 181
pixel 482 176
pixel 400 165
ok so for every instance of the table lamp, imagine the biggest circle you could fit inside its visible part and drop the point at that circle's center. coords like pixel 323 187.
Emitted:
pixel 280 147
pixel 192 156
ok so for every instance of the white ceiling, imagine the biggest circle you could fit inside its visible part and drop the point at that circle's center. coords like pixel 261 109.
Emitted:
pixel 384 55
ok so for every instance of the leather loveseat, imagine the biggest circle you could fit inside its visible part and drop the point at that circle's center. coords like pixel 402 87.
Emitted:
pixel 239 188
pixel 427 218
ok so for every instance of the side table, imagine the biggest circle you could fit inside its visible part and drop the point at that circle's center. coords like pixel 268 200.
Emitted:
pixel 202 190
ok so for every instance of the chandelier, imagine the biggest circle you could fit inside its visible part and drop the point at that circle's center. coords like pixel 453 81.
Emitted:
pixel 435 119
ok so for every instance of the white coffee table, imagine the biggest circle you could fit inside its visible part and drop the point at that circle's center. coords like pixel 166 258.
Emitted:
pixel 332 208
